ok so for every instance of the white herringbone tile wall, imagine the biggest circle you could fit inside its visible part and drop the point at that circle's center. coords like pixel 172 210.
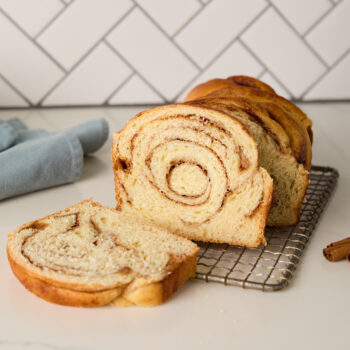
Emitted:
pixel 108 52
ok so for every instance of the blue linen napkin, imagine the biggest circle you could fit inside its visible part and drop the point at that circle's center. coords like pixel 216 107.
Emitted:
pixel 7 135
pixel 31 160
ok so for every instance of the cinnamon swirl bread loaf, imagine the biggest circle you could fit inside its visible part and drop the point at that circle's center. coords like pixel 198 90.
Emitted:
pixel 282 131
pixel 89 255
pixel 194 171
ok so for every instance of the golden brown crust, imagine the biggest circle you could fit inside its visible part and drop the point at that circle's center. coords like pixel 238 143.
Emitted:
pixel 303 151
pixel 142 293
pixel 256 85
pixel 293 130
pixel 243 80
pixel 139 292
pixel 59 295
pixel 298 127
pixel 302 147
pixel 206 88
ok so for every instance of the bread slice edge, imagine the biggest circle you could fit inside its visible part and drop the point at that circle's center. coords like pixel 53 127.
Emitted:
pixel 139 292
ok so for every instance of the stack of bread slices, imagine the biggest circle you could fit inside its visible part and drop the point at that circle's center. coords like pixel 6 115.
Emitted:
pixel 232 158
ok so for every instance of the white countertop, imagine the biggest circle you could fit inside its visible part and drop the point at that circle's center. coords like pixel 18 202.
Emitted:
pixel 313 312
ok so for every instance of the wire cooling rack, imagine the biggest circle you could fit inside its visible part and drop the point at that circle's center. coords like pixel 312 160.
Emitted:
pixel 269 267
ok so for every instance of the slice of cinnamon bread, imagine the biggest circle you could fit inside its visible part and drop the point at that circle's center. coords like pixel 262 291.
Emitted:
pixel 193 171
pixel 90 255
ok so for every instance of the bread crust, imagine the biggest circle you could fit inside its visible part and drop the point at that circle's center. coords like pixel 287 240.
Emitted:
pixel 142 293
pixel 297 125
pixel 206 88
pixel 243 80
pixel 246 82
pixel 303 152
pixel 139 291
pixel 60 295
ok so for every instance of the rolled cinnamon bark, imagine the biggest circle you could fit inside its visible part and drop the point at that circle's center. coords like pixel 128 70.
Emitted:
pixel 339 243
pixel 337 252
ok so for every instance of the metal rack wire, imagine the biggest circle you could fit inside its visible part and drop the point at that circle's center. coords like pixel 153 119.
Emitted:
pixel 269 267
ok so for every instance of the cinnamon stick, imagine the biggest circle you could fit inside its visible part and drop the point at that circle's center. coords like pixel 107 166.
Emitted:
pixel 348 257
pixel 339 243
pixel 337 251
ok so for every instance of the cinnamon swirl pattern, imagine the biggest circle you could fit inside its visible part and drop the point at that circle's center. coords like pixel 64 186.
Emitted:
pixel 194 171
pixel 88 255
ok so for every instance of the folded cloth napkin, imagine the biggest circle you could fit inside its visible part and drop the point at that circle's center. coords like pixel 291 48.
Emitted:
pixel 7 135
pixel 35 159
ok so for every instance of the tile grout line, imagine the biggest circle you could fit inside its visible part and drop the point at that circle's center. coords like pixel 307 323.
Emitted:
pixel 119 87
pixel 263 64
pixel 190 19
pixel 52 59
pixel 262 73
pixel 221 52
pixel 66 6
pixel 187 85
pixel 135 70
pixel 252 21
pixel 324 74
pixel 87 53
pixel 312 27
pixel 194 63
pixel 306 43
pixel 103 39
pixel 12 87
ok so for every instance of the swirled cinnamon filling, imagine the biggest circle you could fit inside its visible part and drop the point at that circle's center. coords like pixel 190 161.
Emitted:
pixel 188 169
pixel 93 242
